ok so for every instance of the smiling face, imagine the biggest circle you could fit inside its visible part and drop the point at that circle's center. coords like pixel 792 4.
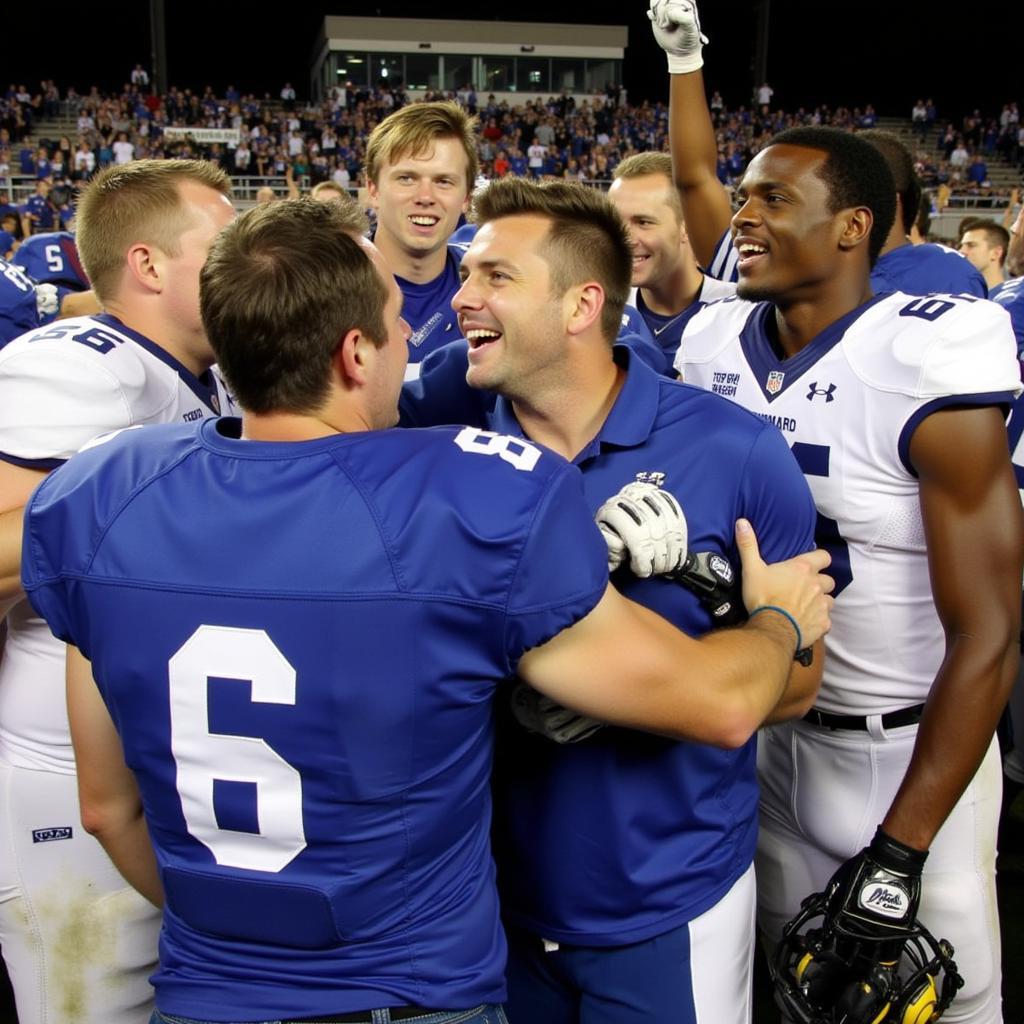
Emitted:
pixel 785 234
pixel 655 226
pixel 418 200
pixel 514 325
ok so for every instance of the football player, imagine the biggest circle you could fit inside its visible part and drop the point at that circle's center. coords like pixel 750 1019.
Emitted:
pixel 143 232
pixel 668 286
pixel 307 798
pixel 915 269
pixel 894 407
pixel 421 162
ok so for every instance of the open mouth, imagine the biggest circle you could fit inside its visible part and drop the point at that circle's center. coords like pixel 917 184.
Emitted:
pixel 749 253
pixel 424 220
pixel 480 337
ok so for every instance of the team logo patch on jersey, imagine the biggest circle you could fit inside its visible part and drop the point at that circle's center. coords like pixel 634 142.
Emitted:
pixel 48 835
pixel 885 899
pixel 418 337
pixel 774 384
pixel 828 392
pixel 658 479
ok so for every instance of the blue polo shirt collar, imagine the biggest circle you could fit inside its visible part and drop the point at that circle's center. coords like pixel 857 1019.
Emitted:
pixel 630 421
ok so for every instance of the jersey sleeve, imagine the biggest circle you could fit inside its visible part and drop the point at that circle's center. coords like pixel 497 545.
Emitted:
pixel 563 571
pixel 725 260
pixel 974 356
pixel 54 399
pixel 775 497
pixel 18 305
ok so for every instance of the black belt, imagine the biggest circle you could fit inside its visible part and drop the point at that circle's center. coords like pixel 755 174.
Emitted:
pixel 365 1016
pixel 890 720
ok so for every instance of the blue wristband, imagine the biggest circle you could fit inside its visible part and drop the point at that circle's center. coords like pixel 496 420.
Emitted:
pixel 784 614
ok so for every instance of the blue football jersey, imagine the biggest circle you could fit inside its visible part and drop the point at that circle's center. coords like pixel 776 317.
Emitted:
pixel 923 269
pixel 428 307
pixel 53 257
pixel 299 645
pixel 1010 295
pixel 626 835
pixel 19 310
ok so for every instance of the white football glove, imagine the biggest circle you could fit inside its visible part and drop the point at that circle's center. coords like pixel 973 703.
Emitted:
pixel 676 27
pixel 647 525
pixel 539 714
pixel 47 300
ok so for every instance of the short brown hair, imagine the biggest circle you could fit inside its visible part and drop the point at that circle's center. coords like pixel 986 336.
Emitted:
pixel 136 202
pixel 587 240
pixel 414 129
pixel 283 284
pixel 995 234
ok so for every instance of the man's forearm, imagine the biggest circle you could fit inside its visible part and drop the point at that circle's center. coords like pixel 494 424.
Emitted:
pixel 129 847
pixel 956 730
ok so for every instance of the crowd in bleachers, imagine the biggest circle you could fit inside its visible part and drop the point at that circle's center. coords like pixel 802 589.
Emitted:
pixel 557 137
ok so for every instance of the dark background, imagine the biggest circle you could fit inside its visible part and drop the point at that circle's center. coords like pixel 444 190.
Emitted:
pixel 885 53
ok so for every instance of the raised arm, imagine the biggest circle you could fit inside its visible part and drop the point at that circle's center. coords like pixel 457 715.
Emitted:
pixel 706 205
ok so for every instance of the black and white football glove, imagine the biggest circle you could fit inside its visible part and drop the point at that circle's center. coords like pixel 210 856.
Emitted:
pixel 676 27
pixel 872 899
pixel 645 525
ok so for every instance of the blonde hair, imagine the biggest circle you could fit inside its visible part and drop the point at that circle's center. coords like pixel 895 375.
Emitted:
pixel 136 202
pixel 414 129
pixel 641 165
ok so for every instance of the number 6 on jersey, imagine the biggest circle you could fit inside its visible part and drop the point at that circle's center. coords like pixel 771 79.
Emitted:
pixel 202 756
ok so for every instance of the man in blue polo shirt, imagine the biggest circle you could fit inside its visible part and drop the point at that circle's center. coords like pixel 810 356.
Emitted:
pixel 624 859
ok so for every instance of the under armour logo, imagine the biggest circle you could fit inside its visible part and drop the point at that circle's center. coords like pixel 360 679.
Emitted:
pixel 815 390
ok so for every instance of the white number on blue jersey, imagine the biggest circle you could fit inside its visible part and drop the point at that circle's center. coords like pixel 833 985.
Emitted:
pixel 54 259
pixel 15 276
pixel 514 450
pixel 203 756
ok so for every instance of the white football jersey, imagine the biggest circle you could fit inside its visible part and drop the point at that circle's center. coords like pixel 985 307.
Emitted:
pixel 61 386
pixel 848 405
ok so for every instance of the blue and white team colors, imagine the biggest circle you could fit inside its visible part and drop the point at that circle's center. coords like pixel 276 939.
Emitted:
pixel 1010 295
pixel 61 386
pixel 311 722
pixel 883 367
pixel 427 309
pixel 626 836
pixel 667 331
pixel 23 305
pixel 52 257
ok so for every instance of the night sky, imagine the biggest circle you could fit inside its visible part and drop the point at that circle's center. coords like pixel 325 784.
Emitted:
pixel 885 53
